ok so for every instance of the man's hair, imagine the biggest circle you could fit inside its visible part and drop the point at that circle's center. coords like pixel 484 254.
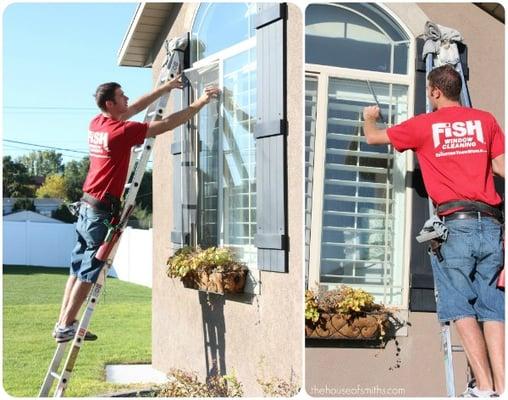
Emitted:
pixel 105 92
pixel 446 79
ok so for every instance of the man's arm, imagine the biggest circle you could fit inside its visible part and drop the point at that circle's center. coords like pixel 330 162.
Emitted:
pixel 371 132
pixel 174 120
pixel 498 165
pixel 144 101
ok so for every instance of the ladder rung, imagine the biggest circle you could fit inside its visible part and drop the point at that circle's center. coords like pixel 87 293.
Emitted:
pixel 55 375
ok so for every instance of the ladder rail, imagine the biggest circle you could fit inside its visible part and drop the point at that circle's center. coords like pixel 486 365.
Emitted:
pixel 79 338
pixel 51 375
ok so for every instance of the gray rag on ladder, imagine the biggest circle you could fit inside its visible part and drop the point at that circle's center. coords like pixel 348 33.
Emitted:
pixel 441 41
pixel 175 49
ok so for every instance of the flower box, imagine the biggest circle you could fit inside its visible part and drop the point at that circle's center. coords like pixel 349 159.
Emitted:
pixel 338 326
pixel 345 313
pixel 216 282
pixel 213 270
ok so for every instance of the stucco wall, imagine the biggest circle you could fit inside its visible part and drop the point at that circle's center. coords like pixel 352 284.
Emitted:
pixel 242 330
pixel 418 369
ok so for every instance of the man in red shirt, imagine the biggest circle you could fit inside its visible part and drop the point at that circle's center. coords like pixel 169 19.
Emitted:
pixel 459 149
pixel 111 137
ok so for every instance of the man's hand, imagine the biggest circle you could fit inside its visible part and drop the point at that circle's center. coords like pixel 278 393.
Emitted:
pixel 210 93
pixel 371 113
pixel 175 83
pixel 373 135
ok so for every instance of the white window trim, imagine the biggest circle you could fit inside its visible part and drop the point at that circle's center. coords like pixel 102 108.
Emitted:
pixel 218 58
pixel 323 73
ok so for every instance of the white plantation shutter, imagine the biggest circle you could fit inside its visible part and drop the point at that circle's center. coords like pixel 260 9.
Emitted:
pixel 361 185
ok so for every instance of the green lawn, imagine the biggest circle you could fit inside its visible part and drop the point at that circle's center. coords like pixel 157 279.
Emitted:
pixel 31 300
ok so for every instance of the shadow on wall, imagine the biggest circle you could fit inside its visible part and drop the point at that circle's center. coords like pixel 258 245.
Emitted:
pixel 214 331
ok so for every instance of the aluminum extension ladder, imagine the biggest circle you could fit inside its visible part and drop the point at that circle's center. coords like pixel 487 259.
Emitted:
pixel 446 342
pixel 137 165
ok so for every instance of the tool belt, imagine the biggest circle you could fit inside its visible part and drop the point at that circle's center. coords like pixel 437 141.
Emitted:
pixel 469 209
pixel 109 204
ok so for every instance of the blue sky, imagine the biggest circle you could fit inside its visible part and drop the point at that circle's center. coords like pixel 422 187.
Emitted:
pixel 54 57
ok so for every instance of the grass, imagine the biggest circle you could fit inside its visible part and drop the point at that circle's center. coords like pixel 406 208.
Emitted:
pixel 31 299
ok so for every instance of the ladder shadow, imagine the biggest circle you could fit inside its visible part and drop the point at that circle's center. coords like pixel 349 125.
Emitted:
pixel 214 330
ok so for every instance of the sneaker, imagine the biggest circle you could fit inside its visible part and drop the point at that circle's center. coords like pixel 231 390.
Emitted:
pixel 89 336
pixel 66 333
pixel 473 391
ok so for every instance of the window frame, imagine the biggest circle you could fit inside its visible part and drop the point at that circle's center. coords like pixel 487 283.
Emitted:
pixel 323 74
pixel 218 58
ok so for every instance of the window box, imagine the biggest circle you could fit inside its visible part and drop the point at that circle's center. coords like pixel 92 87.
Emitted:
pixel 338 326
pixel 216 282
pixel 346 313
pixel 213 270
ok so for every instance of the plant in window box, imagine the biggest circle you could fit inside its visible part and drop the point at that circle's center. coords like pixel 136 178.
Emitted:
pixel 211 270
pixel 345 313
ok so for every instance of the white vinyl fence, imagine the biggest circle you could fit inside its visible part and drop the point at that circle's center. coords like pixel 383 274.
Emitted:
pixel 50 245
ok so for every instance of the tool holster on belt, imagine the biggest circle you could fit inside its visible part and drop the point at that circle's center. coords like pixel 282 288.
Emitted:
pixel 435 232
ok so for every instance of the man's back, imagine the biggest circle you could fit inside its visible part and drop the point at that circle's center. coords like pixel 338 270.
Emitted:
pixel 455 147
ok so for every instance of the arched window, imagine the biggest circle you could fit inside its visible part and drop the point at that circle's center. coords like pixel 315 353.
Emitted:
pixel 355 192
pixel 218 26
pixel 355 36
pixel 224 131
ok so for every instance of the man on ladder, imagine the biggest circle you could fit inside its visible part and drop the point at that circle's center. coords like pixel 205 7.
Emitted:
pixel 459 149
pixel 111 137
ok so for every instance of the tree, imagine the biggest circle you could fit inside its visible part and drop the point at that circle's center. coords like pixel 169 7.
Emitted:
pixel 42 162
pixel 23 204
pixel 54 187
pixel 144 197
pixel 63 214
pixel 140 218
pixel 16 180
pixel 74 176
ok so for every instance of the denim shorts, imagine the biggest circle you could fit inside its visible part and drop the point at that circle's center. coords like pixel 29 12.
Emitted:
pixel 465 281
pixel 91 231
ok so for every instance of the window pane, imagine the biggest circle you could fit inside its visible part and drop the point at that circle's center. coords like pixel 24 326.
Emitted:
pixel 360 192
pixel 239 154
pixel 354 36
pixel 208 161
pixel 311 84
pixel 218 26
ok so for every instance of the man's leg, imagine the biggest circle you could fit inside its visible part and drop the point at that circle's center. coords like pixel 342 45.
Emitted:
pixel 471 337
pixel 67 294
pixel 494 336
pixel 77 297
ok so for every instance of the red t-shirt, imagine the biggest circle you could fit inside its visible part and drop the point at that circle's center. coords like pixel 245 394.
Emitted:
pixel 110 143
pixel 455 147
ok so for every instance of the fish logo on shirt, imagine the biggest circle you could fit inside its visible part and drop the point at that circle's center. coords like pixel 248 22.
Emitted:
pixel 98 144
pixel 459 131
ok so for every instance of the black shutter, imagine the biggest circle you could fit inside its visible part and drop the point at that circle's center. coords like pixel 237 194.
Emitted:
pixel 271 129
pixel 421 295
pixel 180 234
